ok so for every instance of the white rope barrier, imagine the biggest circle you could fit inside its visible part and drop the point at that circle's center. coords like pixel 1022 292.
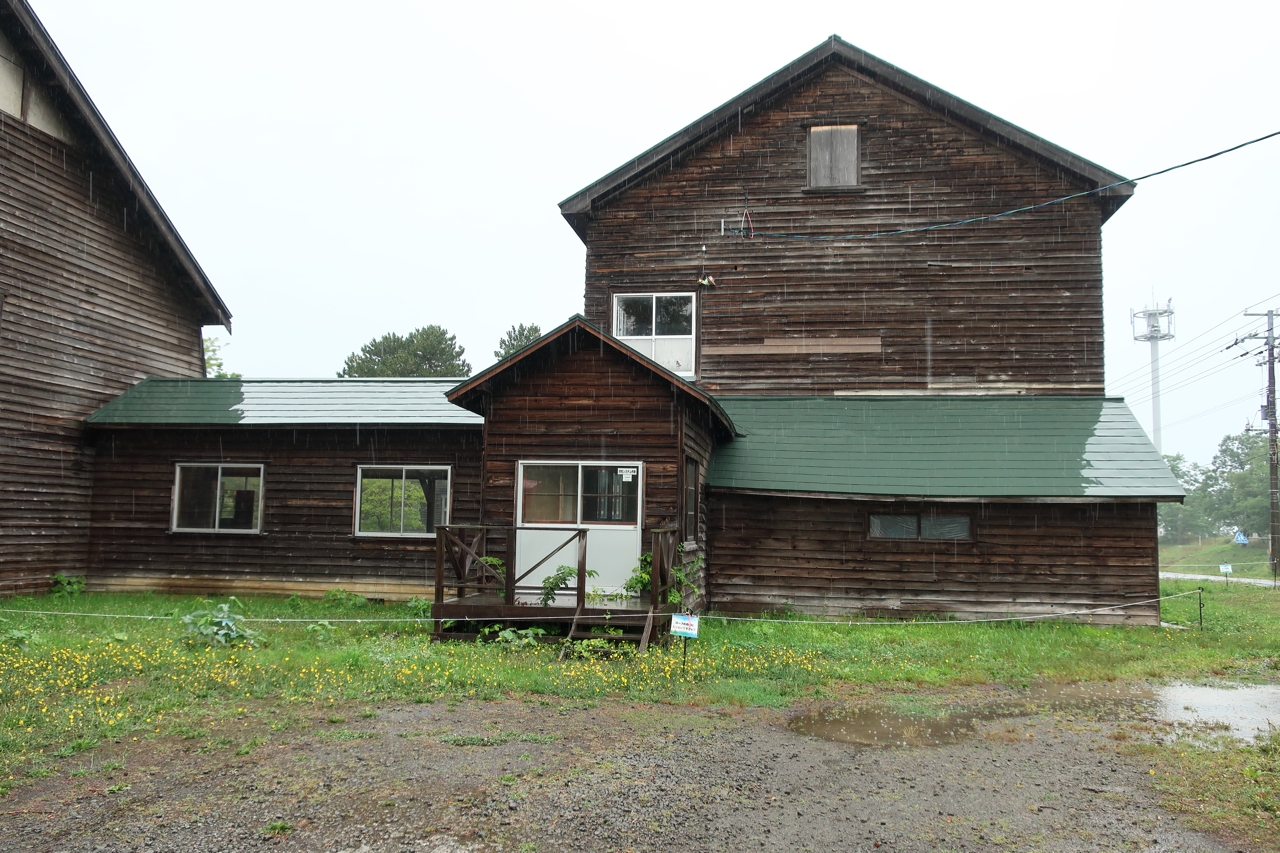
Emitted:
pixel 606 619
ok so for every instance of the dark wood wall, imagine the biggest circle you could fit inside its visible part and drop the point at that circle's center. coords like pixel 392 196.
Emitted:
pixel 306 545
pixel 814 555
pixel 89 307
pixel 581 400
pixel 1012 305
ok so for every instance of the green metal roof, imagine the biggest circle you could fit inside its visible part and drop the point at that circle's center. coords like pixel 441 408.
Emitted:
pixel 301 402
pixel 941 447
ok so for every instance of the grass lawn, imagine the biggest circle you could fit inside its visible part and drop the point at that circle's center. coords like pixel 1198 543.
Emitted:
pixel 1204 558
pixel 69 682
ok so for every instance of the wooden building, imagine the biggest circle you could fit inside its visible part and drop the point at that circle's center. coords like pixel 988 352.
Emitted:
pixel 842 338
pixel 580 431
pixel 97 291
pixel 226 485
pixel 916 373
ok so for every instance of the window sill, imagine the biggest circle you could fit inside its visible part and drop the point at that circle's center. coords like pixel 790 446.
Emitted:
pixel 216 532
pixel 860 188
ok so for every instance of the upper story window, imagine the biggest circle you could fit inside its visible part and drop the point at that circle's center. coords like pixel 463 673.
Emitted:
pixel 659 325
pixel 401 500
pixel 218 499
pixel 833 156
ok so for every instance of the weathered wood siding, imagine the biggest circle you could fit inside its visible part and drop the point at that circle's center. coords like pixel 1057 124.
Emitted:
pixel 583 401
pixel 698 445
pixel 814 555
pixel 1013 305
pixel 90 307
pixel 306 545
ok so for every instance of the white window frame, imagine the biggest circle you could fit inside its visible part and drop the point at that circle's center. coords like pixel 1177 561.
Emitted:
pixel 403 466
pixel 177 481
pixel 581 463
pixel 692 372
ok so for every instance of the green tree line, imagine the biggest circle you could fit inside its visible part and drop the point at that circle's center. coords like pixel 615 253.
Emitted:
pixel 1229 494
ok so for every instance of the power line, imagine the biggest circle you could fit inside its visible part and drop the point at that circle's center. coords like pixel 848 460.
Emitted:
pixel 1135 378
pixel 1215 359
pixel 1203 375
pixel 750 231
pixel 1215 409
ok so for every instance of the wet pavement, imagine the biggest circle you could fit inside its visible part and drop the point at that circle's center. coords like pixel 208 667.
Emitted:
pixel 1242 710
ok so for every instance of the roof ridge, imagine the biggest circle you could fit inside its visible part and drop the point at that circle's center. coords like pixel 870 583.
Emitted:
pixel 577 207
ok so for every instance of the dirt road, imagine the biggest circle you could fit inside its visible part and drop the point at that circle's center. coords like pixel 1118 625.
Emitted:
pixel 554 776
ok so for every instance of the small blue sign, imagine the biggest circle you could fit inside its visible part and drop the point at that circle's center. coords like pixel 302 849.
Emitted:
pixel 683 625
pixel 1241 539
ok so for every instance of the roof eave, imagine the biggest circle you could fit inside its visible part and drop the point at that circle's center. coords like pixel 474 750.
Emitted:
pixel 216 311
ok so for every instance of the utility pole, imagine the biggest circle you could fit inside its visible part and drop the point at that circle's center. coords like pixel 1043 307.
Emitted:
pixel 1269 412
pixel 1158 326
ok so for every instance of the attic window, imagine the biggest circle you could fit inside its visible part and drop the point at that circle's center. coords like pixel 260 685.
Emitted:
pixel 833 156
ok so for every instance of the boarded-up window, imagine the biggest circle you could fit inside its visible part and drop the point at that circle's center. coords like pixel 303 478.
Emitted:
pixel 10 79
pixel 833 156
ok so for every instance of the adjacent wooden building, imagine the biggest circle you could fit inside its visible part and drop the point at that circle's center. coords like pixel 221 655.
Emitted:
pixel 227 485
pixel 97 291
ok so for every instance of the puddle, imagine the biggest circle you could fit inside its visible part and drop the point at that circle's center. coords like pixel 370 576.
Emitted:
pixel 1244 711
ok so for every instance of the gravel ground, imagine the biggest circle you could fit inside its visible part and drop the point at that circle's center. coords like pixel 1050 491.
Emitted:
pixel 545 776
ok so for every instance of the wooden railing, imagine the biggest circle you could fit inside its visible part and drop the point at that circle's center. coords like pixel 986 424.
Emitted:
pixel 664 541
pixel 466 560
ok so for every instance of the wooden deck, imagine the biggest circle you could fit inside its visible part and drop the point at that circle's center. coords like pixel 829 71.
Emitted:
pixel 486 595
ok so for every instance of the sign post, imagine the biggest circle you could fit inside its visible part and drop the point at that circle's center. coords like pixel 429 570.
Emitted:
pixel 1241 538
pixel 684 626
pixel 1225 568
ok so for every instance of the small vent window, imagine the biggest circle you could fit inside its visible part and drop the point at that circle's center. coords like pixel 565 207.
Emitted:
pixel 833 156
pixel 923 526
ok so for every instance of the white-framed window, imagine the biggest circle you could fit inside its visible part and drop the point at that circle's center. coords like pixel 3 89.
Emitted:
pixel 659 325
pixel 580 494
pixel 927 525
pixel 833 156
pixel 402 500
pixel 217 498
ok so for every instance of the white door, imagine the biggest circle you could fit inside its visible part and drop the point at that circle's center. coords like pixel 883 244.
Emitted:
pixel 604 497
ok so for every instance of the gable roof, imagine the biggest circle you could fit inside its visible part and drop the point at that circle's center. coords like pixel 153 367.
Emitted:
pixel 578 207
pixel 285 402
pixel 39 53
pixel 943 447
pixel 467 393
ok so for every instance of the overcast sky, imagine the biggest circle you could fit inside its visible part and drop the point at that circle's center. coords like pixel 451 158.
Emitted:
pixel 344 170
